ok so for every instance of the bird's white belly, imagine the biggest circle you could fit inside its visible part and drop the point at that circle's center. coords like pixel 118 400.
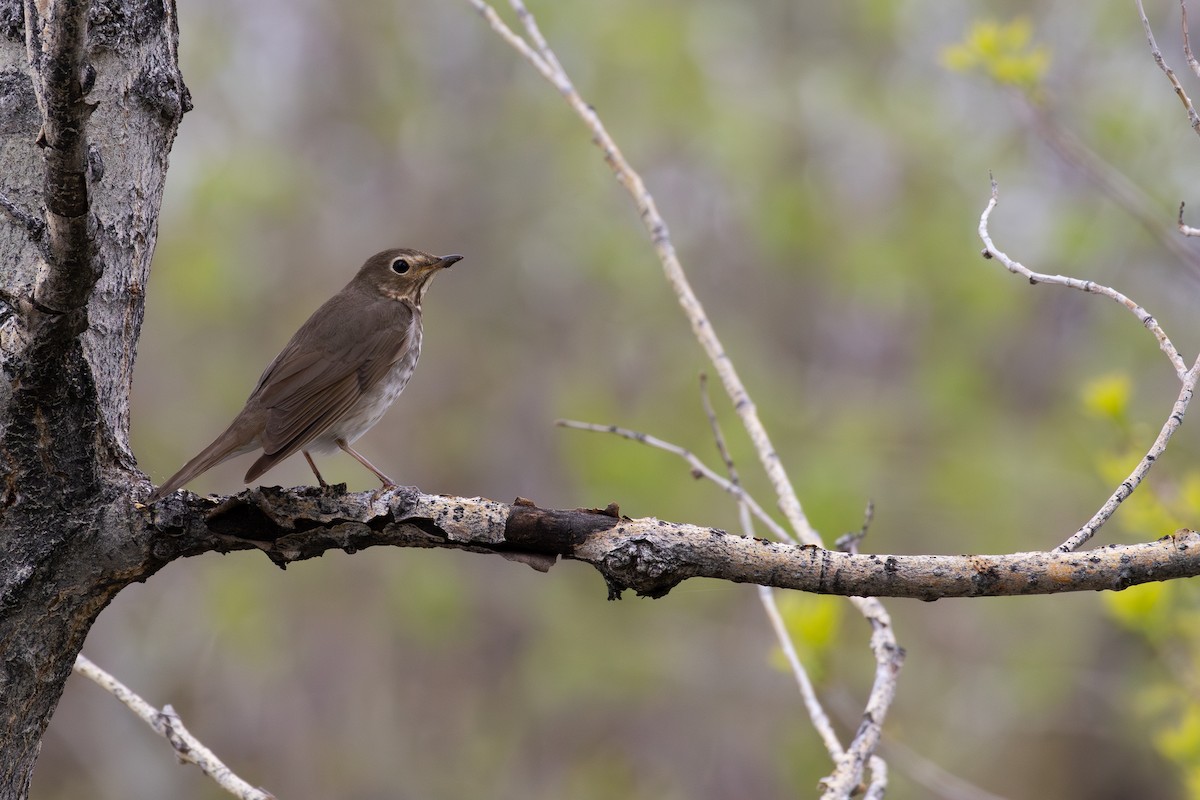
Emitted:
pixel 371 406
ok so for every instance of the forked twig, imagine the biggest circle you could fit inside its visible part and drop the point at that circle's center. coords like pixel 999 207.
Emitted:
pixel 1187 377
pixel 887 654
pixel 544 61
pixel 766 596
pixel 1193 117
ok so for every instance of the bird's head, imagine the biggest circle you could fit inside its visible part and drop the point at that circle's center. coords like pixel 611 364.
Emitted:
pixel 401 273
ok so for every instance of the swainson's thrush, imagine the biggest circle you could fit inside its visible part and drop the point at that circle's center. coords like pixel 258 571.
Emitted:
pixel 338 374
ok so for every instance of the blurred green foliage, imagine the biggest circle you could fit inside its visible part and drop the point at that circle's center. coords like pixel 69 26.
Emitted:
pixel 822 172
pixel 1005 52
pixel 814 623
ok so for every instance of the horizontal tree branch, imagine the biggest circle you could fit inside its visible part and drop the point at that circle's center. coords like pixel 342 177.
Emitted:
pixel 649 556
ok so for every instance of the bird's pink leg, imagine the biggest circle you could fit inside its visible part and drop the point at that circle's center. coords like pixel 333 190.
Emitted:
pixel 316 472
pixel 388 483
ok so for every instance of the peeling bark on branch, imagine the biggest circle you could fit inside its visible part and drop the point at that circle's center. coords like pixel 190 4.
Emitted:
pixel 649 556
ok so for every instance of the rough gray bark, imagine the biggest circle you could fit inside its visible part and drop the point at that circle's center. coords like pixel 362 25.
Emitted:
pixel 90 100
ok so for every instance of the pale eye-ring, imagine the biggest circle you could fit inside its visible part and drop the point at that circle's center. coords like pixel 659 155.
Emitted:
pixel 399 266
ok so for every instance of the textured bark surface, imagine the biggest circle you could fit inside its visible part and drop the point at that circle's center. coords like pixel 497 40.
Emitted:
pixel 90 100
pixel 648 556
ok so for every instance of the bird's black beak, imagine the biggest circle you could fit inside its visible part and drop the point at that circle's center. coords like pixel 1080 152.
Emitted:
pixel 448 260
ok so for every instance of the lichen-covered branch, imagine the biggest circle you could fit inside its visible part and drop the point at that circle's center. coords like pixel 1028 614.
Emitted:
pixel 649 556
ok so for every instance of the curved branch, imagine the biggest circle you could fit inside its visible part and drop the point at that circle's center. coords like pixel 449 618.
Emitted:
pixel 649 556
pixel 1187 377
pixel 1017 268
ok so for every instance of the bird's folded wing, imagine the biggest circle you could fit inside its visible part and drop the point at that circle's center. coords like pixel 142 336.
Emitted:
pixel 306 392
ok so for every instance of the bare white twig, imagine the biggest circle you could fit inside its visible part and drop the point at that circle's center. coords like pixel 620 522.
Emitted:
pixel 766 595
pixel 879 779
pixel 1193 117
pixel 547 64
pixel 1143 316
pixel 1187 377
pixel 808 694
pixel 887 653
pixel 1187 42
pixel 166 723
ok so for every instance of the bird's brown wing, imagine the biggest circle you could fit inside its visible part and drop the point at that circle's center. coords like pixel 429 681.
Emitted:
pixel 305 390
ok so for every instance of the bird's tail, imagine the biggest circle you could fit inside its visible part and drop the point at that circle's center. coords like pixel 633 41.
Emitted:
pixel 237 439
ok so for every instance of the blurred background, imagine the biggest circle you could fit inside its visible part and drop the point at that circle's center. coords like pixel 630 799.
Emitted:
pixel 822 168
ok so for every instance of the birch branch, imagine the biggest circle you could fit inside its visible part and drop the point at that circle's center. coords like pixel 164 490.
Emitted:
pixel 649 556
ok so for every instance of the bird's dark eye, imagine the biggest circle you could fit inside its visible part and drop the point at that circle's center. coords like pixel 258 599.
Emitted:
pixel 399 266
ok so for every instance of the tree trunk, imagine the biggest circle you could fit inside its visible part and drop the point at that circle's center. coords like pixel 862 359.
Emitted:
pixel 90 101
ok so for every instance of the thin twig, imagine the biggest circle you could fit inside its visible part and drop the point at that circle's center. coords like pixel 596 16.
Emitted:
pixel 1193 117
pixel 1114 184
pixel 816 712
pixel 936 780
pixel 699 468
pixel 1174 420
pixel 1143 316
pixel 848 542
pixel 1187 42
pixel 166 723
pixel 661 238
pixel 766 595
pixel 1187 377
pixel 718 434
pixel 887 653
pixel 879 779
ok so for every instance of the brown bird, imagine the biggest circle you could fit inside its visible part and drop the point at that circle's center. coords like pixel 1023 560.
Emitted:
pixel 338 374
